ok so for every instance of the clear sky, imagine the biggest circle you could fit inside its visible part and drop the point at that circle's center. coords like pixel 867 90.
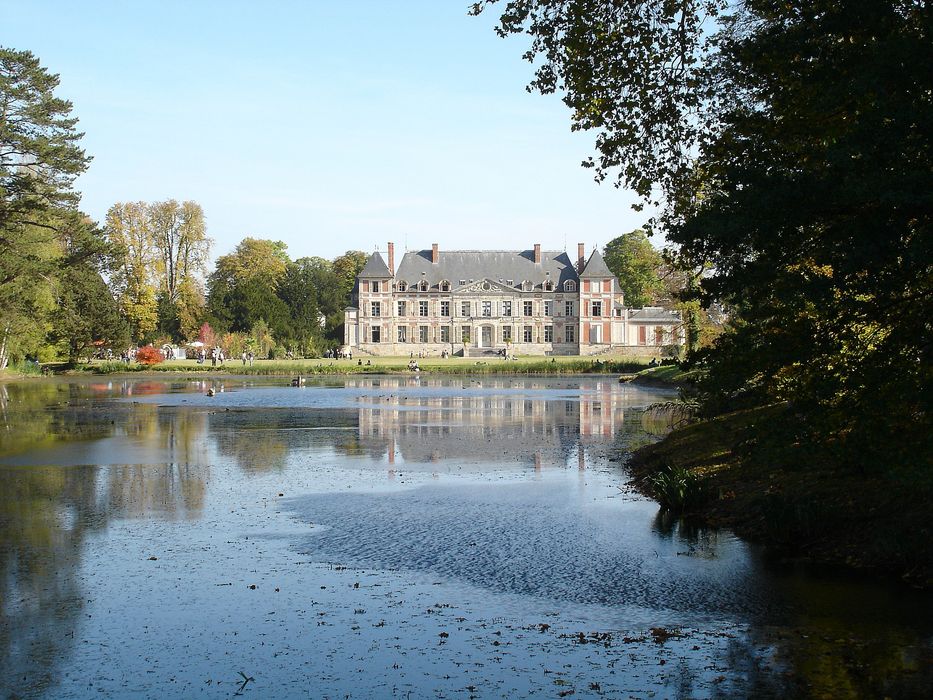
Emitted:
pixel 328 125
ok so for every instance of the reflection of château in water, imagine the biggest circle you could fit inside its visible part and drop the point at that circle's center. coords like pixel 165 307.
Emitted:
pixel 505 421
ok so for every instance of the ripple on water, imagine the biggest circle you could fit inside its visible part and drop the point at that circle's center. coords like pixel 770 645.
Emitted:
pixel 536 538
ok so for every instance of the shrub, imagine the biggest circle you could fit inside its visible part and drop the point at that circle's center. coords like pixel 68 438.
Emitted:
pixel 678 489
pixel 149 356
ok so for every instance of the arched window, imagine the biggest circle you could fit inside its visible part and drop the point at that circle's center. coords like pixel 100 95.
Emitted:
pixel 445 286
pixel 527 286
pixel 401 285
pixel 548 286
pixel 570 286
pixel 423 285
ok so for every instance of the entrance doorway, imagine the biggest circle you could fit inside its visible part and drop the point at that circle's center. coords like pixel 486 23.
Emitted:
pixel 485 337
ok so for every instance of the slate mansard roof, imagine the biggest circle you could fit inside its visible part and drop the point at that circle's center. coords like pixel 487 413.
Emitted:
pixel 474 265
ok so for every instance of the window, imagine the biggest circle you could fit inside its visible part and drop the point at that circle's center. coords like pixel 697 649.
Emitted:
pixel 597 308
pixel 506 308
pixel 465 334
pixel 464 308
pixel 658 335
pixel 403 334
pixel 642 335
pixel 487 309
pixel 445 286
pixel 422 334
pixel 549 308
pixel 423 285
pixel 527 286
pixel 422 308
pixel 507 334
pixel 527 334
pixel 376 308
pixel 375 285
pixel 445 334
pixel 401 308
pixel 570 286
pixel 568 308
pixel 462 282
pixel 376 334
pixel 401 285
pixel 549 334
pixel 548 286
pixel 526 308
pixel 511 283
pixel 570 334
pixel 445 308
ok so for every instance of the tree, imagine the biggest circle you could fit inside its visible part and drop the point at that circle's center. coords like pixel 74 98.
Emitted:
pixel 180 239
pixel 242 288
pixel 39 153
pixel 636 263
pixel 806 127
pixel 39 160
pixel 310 289
pixel 128 231
pixel 86 313
pixel 164 248
pixel 347 267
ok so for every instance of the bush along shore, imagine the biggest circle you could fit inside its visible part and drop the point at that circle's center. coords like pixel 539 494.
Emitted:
pixel 720 473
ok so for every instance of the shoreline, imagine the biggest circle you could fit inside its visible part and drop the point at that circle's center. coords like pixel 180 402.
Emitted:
pixel 876 524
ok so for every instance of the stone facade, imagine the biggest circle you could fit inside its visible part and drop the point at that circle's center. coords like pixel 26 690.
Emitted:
pixel 478 303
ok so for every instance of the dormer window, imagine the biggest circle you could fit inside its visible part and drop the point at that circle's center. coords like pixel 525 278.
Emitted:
pixel 548 286
pixel 527 286
pixel 511 283
pixel 462 282
pixel 570 286
pixel 423 286
pixel 445 286
pixel 401 285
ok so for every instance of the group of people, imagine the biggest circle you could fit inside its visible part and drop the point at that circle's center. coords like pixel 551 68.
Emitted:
pixel 413 365
pixel 216 355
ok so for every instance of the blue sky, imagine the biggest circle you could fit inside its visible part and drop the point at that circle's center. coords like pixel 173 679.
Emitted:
pixel 327 125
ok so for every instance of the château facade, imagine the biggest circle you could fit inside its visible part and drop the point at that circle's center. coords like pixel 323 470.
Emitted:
pixel 529 302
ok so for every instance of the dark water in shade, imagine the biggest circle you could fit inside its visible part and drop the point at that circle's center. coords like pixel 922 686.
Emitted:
pixel 396 537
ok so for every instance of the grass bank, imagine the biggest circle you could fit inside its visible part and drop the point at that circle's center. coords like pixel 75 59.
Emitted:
pixel 664 376
pixel 878 522
pixel 383 365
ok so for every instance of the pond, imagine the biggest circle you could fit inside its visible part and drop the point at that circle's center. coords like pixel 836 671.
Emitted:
pixel 398 537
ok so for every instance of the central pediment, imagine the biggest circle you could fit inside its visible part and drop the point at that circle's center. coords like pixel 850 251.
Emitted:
pixel 485 286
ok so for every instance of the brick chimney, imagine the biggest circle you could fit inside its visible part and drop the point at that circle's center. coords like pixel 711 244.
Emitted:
pixel 537 253
pixel 392 258
pixel 434 255
pixel 581 257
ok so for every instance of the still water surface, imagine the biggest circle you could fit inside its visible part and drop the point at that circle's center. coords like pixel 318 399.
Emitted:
pixel 395 537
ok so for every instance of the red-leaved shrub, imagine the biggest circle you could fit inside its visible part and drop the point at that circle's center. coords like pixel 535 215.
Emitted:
pixel 149 356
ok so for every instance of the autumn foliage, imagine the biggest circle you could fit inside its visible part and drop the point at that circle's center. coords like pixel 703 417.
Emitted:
pixel 149 356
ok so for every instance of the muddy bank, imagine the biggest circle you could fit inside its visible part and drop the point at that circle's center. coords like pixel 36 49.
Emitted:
pixel 830 515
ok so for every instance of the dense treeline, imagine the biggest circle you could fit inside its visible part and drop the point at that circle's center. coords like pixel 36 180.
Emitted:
pixel 70 288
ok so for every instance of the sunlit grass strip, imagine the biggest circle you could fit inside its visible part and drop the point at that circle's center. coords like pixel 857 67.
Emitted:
pixel 390 365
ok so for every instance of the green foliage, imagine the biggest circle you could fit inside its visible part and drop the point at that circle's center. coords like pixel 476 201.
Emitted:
pixel 789 144
pixel 86 313
pixel 39 152
pixel 162 251
pixel 636 263
pixel 39 160
pixel 678 489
